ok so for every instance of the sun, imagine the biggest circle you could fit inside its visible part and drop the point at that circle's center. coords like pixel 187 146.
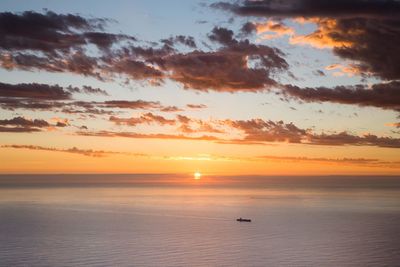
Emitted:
pixel 197 175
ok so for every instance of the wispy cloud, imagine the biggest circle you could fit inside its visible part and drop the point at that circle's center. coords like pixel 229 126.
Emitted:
pixel 73 150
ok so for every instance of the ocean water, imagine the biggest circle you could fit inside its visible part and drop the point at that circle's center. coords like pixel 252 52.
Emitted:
pixel 340 221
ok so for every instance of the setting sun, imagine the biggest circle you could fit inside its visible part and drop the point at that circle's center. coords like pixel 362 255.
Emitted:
pixel 197 175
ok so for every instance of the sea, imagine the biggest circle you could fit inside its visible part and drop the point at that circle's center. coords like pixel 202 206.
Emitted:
pixel 174 220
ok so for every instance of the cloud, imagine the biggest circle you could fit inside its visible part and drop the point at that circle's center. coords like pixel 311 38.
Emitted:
pixel 73 150
pixel 273 29
pixel 373 43
pixel 147 118
pixel 382 95
pixel 18 129
pixel 21 124
pixel 21 121
pixel 237 65
pixel 42 100
pixel 368 162
pixel 75 62
pixel 310 8
pixel 365 31
pixel 180 39
pixel 344 138
pixel 59 44
pixel 258 131
pixel 340 70
pixel 394 124
pixel 171 109
pixel 196 106
pixel 55 42
pixel 53 33
pixel 34 91
pixel 325 36
pixel 320 159
pixel 147 136
pixel 191 125
pixel 44 32
pixel 61 122
pixel 186 124
pixel 39 91
pixel 137 104
pixel 252 132
pixel 223 36
pixel 87 90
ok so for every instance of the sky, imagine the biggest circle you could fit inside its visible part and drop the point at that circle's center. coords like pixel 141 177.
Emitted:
pixel 262 87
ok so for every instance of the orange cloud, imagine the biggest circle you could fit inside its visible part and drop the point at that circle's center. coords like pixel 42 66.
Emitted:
pixel 394 124
pixel 341 70
pixel 324 36
pixel 274 29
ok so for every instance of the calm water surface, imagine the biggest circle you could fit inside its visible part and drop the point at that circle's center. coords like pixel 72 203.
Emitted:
pixel 151 225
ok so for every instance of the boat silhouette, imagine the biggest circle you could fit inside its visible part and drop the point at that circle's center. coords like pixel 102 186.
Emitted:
pixel 243 220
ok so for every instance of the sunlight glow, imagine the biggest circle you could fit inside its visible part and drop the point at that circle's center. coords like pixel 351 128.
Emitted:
pixel 197 175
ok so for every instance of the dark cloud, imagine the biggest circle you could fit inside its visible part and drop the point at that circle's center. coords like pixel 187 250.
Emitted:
pixel 53 33
pixel 34 91
pixel 87 90
pixel 75 62
pixel 180 39
pixel 55 42
pixel 345 138
pixel 105 40
pixel 137 70
pixel 16 103
pixel 366 31
pixel 137 104
pixel 319 73
pixel 237 65
pixel 83 107
pixel 223 36
pixel 376 46
pixel 147 118
pixel 44 92
pixel 258 131
pixel 44 32
pixel 311 8
pixel 248 28
pixel 228 69
pixel 383 95
pixel 21 124
pixel 21 121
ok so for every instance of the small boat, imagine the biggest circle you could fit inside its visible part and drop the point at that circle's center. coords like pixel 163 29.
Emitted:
pixel 243 220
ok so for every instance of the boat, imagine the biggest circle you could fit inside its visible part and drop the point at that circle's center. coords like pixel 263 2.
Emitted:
pixel 243 220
